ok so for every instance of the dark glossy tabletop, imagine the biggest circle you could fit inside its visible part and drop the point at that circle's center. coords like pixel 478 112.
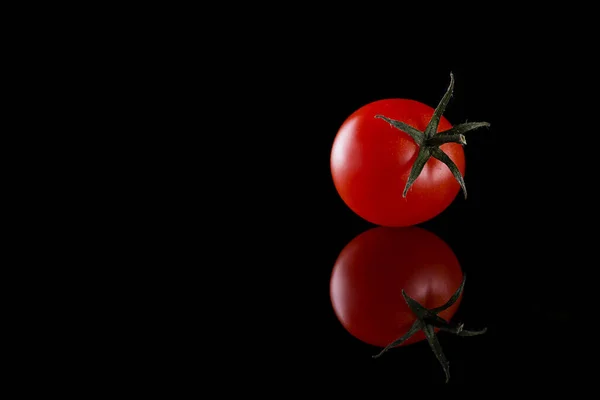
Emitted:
pixel 509 236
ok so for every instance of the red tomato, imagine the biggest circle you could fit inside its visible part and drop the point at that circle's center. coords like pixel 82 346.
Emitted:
pixel 371 271
pixel 371 162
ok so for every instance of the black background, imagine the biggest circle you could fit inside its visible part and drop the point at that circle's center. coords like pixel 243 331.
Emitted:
pixel 234 210
pixel 277 99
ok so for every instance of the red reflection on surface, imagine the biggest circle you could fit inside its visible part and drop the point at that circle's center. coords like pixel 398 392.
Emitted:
pixel 371 271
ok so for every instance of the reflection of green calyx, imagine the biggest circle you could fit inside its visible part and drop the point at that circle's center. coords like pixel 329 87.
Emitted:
pixel 429 142
pixel 427 320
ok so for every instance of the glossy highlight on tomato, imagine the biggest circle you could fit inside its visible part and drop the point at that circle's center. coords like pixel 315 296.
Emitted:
pixel 372 270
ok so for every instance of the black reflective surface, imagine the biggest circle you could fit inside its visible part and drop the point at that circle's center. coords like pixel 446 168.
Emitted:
pixel 233 179
pixel 515 237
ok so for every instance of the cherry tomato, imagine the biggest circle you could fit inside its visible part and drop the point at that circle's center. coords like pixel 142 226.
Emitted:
pixel 371 271
pixel 371 162
pixel 399 162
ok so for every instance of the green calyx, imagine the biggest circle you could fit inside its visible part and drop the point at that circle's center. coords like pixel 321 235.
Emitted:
pixel 429 142
pixel 427 321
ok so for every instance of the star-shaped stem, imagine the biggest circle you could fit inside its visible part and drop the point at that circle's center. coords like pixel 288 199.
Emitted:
pixel 427 320
pixel 429 142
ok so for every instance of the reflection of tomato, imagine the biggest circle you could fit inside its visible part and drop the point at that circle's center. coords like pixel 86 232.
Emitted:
pixel 371 271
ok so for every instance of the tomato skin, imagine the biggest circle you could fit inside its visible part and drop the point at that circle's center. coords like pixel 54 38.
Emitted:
pixel 371 160
pixel 373 268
